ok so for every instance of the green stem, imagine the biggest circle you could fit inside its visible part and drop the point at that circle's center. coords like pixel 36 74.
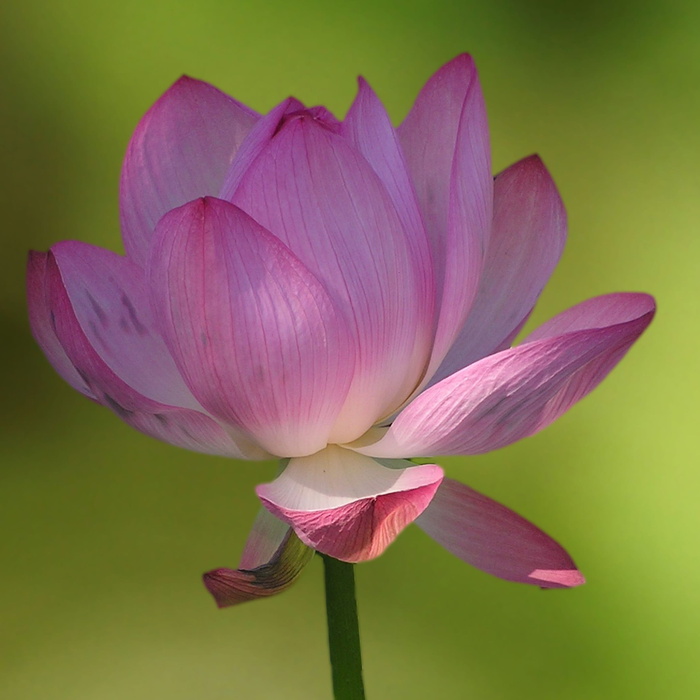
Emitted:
pixel 343 630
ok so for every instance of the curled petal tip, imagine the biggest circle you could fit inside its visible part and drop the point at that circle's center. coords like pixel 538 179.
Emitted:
pixel 231 587
pixel 227 586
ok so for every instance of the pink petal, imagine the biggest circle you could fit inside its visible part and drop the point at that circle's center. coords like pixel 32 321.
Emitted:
pixel 527 239
pixel 368 128
pixel 346 505
pixel 42 322
pixel 597 312
pixel 496 540
pixel 255 335
pixel 254 144
pixel 109 297
pixel 278 555
pixel 181 149
pixel 319 196
pixel 446 143
pixel 179 426
pixel 515 393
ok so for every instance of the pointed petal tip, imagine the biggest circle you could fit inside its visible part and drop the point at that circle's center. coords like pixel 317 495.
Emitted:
pixel 525 175
pixel 557 578
pixel 650 301
pixel 183 80
pixel 463 59
pixel 364 92
pixel 533 161
pixel 460 67
pixel 532 158
pixel 36 266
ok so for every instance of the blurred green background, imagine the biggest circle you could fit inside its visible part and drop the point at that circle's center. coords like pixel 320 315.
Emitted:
pixel 105 532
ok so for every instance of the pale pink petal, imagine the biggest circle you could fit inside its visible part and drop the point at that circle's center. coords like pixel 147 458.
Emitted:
pixel 496 540
pixel 318 195
pixel 181 149
pixel 254 333
pixel 346 505
pixel 527 239
pixel 515 393
pixel 274 574
pixel 254 144
pixel 109 297
pixel 446 143
pixel 179 426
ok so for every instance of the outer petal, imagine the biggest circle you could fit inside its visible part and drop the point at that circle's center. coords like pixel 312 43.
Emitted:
pixel 42 321
pixel 181 149
pixel 320 196
pixel 109 297
pixel 273 559
pixel 517 392
pixel 346 505
pixel 178 426
pixel 496 540
pixel 254 333
pixel 446 143
pixel 527 239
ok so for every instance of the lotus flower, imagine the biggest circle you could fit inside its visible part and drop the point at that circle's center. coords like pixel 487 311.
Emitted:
pixel 341 295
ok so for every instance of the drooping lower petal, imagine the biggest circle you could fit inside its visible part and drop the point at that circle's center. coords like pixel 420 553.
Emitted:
pixel 515 393
pixel 346 505
pixel 254 333
pixel 60 329
pixel 272 561
pixel 265 538
pixel 181 149
pixel 527 239
pixel 496 540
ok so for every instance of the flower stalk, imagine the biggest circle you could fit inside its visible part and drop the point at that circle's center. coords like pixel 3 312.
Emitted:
pixel 343 630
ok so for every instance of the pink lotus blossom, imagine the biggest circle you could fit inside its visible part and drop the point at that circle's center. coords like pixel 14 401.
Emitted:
pixel 341 295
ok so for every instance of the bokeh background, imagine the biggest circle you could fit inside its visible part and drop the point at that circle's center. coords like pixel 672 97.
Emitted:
pixel 105 532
